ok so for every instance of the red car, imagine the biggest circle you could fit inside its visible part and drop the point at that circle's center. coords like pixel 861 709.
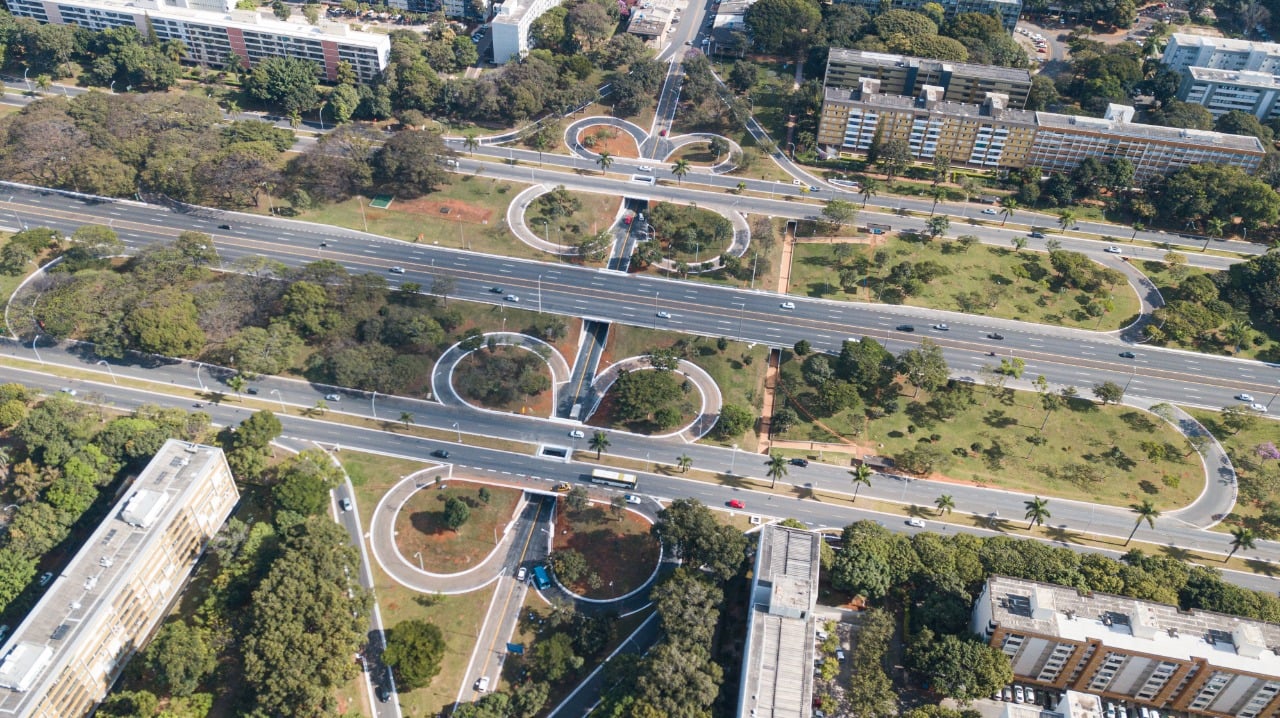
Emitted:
pixel 736 504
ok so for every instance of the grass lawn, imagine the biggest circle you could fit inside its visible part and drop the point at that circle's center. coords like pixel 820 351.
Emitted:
pixel 619 550
pixel 764 263
pixel 738 369
pixel 1257 478
pixel 987 444
pixel 420 525
pixel 470 213
pixel 8 282
pixel 376 470
pixel 698 153
pixel 985 280
pixel 537 405
pixel 595 212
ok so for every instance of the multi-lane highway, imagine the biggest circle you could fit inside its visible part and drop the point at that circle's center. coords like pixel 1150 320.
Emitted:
pixel 1066 357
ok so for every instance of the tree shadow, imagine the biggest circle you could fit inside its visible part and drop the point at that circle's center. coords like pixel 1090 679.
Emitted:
pixel 1176 553
pixel 1265 568
pixel 989 521
pixel 1060 534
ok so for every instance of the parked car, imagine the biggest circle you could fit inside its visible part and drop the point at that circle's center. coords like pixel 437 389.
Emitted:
pixel 736 504
pixel 840 655
pixel 1018 695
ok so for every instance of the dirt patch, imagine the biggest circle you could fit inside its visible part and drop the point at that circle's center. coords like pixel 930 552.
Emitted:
pixel 450 210
pixel 604 138
pixel 620 550
pixel 421 530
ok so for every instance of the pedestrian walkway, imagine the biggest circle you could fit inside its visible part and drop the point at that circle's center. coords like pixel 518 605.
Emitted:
pixel 766 408
pixel 788 249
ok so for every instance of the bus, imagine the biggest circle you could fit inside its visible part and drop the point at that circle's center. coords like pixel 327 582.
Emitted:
pixel 540 577
pixel 613 478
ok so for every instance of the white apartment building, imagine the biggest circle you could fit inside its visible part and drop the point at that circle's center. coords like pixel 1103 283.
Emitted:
pixel 1222 91
pixel 215 33
pixel 510 27
pixel 1220 53
pixel 103 607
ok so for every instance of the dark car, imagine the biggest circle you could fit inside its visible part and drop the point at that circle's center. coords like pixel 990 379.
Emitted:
pixel 440 454
pixel 495 290
pixel 905 328
pixel 1037 235
pixel 224 226
pixel 996 336
pixel 1128 355
pixel 800 462
pixel 384 694
pixel 251 390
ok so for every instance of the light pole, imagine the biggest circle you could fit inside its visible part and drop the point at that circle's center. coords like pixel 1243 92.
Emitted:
pixel 1133 369
pixel 539 293
pixel 24 78
pixel 733 462
pixel 372 405
pixel 364 219
pixel 742 313
pixel 198 379
pixel 103 362
pixel 418 554
pixel 112 88
pixel 33 347
pixel 280 399
pixel 655 310
pixel 458 431
pixel 1273 398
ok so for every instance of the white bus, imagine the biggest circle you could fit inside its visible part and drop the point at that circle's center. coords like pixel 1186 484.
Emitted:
pixel 613 478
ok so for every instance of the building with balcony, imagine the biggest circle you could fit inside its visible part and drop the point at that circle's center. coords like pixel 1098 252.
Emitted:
pixel 1222 91
pixel 902 75
pixel 1220 53
pixel 215 33
pixel 994 136
pixel 1144 654
pixel 510 27
pixel 102 608
pixel 777 668
pixel 1007 10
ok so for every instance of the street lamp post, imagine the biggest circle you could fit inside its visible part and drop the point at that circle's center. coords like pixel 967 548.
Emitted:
pixel 198 379
pixel 103 362
pixel 655 310
pixel 733 462
pixel 1133 369
pixel 742 313
pixel 33 347
pixel 1273 398
pixel 539 293
pixel 418 555
pixel 458 431
pixel 280 399
pixel 24 78
pixel 373 407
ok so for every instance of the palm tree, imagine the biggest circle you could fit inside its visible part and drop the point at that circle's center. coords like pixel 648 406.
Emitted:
pixel 1137 227
pixel 321 406
pixel 471 142
pixel 938 194
pixel 604 160
pixel 406 418
pixel 1238 332
pixel 1036 511
pixel 540 143
pixel 1241 537
pixel 1146 511
pixel 945 504
pixel 1008 206
pixel 777 468
pixel 1214 226
pixel 599 442
pixel 861 477
pixel 1066 218
pixel 869 189
pixel 685 461
pixel 680 169
pixel 236 383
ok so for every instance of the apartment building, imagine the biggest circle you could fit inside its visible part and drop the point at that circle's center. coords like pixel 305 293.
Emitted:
pixel 777 668
pixel 1007 10
pixel 902 75
pixel 1148 655
pixel 510 27
pixel 992 135
pixel 215 33
pixel 459 9
pixel 1220 53
pixel 1222 91
pixel 103 607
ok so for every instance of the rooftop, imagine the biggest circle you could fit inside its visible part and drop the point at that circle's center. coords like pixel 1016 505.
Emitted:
pixel 81 597
pixel 952 109
pixel 1250 78
pixel 649 18
pixel 1184 39
pixel 245 19
pixel 778 678
pixel 1123 128
pixel 964 69
pixel 1138 626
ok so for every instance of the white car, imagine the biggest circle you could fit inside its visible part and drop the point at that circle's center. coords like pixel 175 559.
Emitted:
pixel 664 315
pixel 990 210
pixel 1031 694
pixel 1018 695
pixel 512 298
pixel 788 305
pixel 1258 408
pixel 1113 250
pixel 521 574
pixel 482 685
pixel 346 504
pixel 632 498
pixel 577 434
pixel 396 270
pixel 644 168
pixel 941 327
pixel 1246 398
pixel 919 523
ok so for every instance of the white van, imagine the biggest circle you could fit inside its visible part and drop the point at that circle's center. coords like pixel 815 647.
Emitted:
pixel 643 179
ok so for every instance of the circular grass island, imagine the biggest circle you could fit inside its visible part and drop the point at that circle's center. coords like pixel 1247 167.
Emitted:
pixel 505 378
pixel 603 552
pixel 425 539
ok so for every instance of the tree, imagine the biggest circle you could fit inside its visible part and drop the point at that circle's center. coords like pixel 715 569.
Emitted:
pixel 860 476
pixel 680 169
pixel 777 468
pixel 894 159
pixel 166 323
pixel 870 187
pixel 553 658
pixel 937 226
pixel 605 160
pixel 456 513
pixel 599 442
pixel 692 533
pixel 959 667
pixel 684 461
pixel 1146 511
pixel 286 82
pixel 406 418
pixel 1008 206
pixel 181 658
pixel 618 506
pixel 1066 218
pixel 945 504
pixel 781 25
pixel 734 419
pixel 839 212
pixel 1241 538
pixel 1036 511
pixel 414 651
pixel 577 499
pixel 570 565
pixel 412 163
pixel 925 367
pixel 1019 243
pixel 1108 392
